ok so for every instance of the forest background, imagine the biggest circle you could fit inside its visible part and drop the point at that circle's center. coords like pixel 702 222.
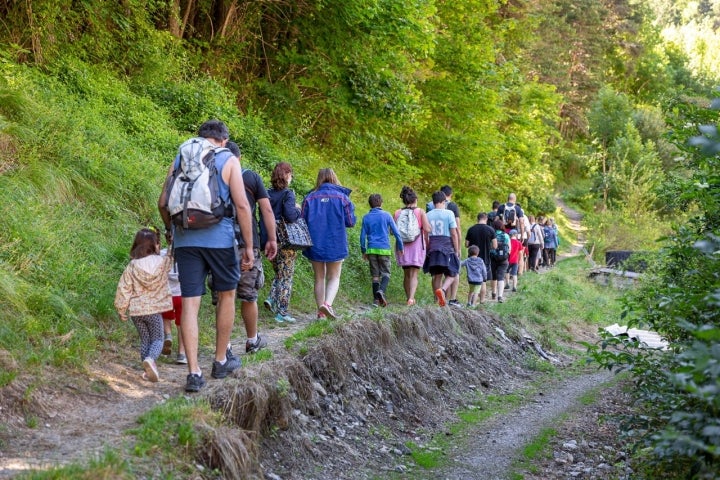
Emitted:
pixel 596 101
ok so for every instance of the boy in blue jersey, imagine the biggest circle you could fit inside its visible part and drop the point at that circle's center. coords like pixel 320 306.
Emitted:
pixel 375 246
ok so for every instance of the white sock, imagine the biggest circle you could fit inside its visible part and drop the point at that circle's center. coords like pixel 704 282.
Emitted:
pixel 253 339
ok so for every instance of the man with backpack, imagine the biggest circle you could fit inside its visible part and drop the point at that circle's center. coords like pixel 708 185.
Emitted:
pixel 200 249
pixel 511 214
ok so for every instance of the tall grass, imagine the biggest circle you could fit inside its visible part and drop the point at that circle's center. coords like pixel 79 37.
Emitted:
pixel 552 306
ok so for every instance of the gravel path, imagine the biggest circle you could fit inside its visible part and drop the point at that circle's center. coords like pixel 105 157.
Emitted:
pixel 497 443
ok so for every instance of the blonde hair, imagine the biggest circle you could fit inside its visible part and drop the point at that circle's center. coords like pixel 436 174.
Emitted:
pixel 326 175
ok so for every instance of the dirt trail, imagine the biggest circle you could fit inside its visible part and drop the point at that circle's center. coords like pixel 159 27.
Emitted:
pixel 78 418
pixel 493 446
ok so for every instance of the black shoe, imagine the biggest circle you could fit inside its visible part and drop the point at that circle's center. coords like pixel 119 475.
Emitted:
pixel 194 382
pixel 254 347
pixel 454 303
pixel 220 370
pixel 382 301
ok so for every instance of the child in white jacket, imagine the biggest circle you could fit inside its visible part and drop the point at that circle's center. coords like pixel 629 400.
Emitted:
pixel 143 292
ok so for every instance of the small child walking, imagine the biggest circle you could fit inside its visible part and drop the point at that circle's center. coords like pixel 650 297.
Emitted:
pixel 143 293
pixel 375 246
pixel 516 247
pixel 476 274
pixel 173 315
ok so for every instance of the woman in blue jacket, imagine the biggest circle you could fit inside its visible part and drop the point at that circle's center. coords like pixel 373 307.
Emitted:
pixel 328 211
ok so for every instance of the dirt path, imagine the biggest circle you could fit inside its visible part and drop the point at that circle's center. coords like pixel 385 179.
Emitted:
pixel 78 417
pixel 492 448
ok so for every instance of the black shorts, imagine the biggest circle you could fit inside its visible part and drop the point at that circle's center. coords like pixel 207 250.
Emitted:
pixel 194 264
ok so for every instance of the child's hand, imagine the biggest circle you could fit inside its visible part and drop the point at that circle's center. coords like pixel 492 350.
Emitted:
pixel 123 316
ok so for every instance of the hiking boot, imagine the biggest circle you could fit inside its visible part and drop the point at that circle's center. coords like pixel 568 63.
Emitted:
pixel 494 296
pixel 194 382
pixel 514 289
pixel 501 299
pixel 150 368
pixel 220 370
pixel 382 301
pixel 255 347
pixel 167 345
pixel 507 287
pixel 440 295
pixel 181 359
pixel 270 305
pixel 280 318
pixel 327 310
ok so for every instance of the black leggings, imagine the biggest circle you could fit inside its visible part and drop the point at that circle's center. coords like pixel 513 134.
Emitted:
pixel 534 250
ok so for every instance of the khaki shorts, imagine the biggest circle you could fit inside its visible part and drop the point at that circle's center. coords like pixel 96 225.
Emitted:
pixel 251 281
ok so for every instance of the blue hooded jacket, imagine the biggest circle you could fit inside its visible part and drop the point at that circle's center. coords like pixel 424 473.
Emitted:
pixel 328 211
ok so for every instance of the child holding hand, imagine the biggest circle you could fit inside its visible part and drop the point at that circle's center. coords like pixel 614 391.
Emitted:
pixel 143 293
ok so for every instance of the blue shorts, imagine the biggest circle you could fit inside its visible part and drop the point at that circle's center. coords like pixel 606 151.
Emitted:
pixel 194 264
pixel 513 269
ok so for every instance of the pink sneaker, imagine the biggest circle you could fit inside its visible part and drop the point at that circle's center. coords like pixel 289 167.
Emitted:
pixel 327 310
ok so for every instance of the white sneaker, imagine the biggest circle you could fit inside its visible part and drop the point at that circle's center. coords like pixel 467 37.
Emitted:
pixel 150 368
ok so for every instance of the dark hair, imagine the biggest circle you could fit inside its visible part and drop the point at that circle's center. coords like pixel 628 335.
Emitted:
pixel 234 148
pixel 438 197
pixel 482 216
pixel 146 243
pixel 408 195
pixel 278 179
pixel 214 129
pixel 496 205
pixel 473 250
pixel 375 200
pixel 498 224
pixel 447 190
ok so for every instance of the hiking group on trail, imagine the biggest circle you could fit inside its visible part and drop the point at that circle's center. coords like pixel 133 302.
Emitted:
pixel 208 206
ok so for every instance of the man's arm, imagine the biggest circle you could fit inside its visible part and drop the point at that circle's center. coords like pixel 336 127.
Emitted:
pixel 232 175
pixel 455 240
pixel 268 217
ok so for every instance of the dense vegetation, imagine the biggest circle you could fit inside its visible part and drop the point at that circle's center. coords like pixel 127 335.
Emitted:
pixel 594 99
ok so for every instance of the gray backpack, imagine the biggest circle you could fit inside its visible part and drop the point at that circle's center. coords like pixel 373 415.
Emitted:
pixel 193 198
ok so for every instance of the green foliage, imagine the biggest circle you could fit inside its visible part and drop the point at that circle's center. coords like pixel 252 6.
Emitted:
pixel 679 299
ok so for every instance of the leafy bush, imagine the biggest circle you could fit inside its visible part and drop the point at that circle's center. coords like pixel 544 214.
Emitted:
pixel 680 296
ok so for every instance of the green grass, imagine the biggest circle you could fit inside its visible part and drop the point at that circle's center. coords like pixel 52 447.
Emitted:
pixel 552 305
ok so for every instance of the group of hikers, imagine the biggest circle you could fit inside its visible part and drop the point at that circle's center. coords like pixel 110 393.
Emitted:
pixel 208 206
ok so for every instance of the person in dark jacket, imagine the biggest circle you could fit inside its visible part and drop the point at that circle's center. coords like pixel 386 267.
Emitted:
pixel 284 207
pixel 328 211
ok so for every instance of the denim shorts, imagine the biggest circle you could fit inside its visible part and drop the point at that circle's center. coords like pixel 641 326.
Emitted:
pixel 513 269
pixel 194 264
